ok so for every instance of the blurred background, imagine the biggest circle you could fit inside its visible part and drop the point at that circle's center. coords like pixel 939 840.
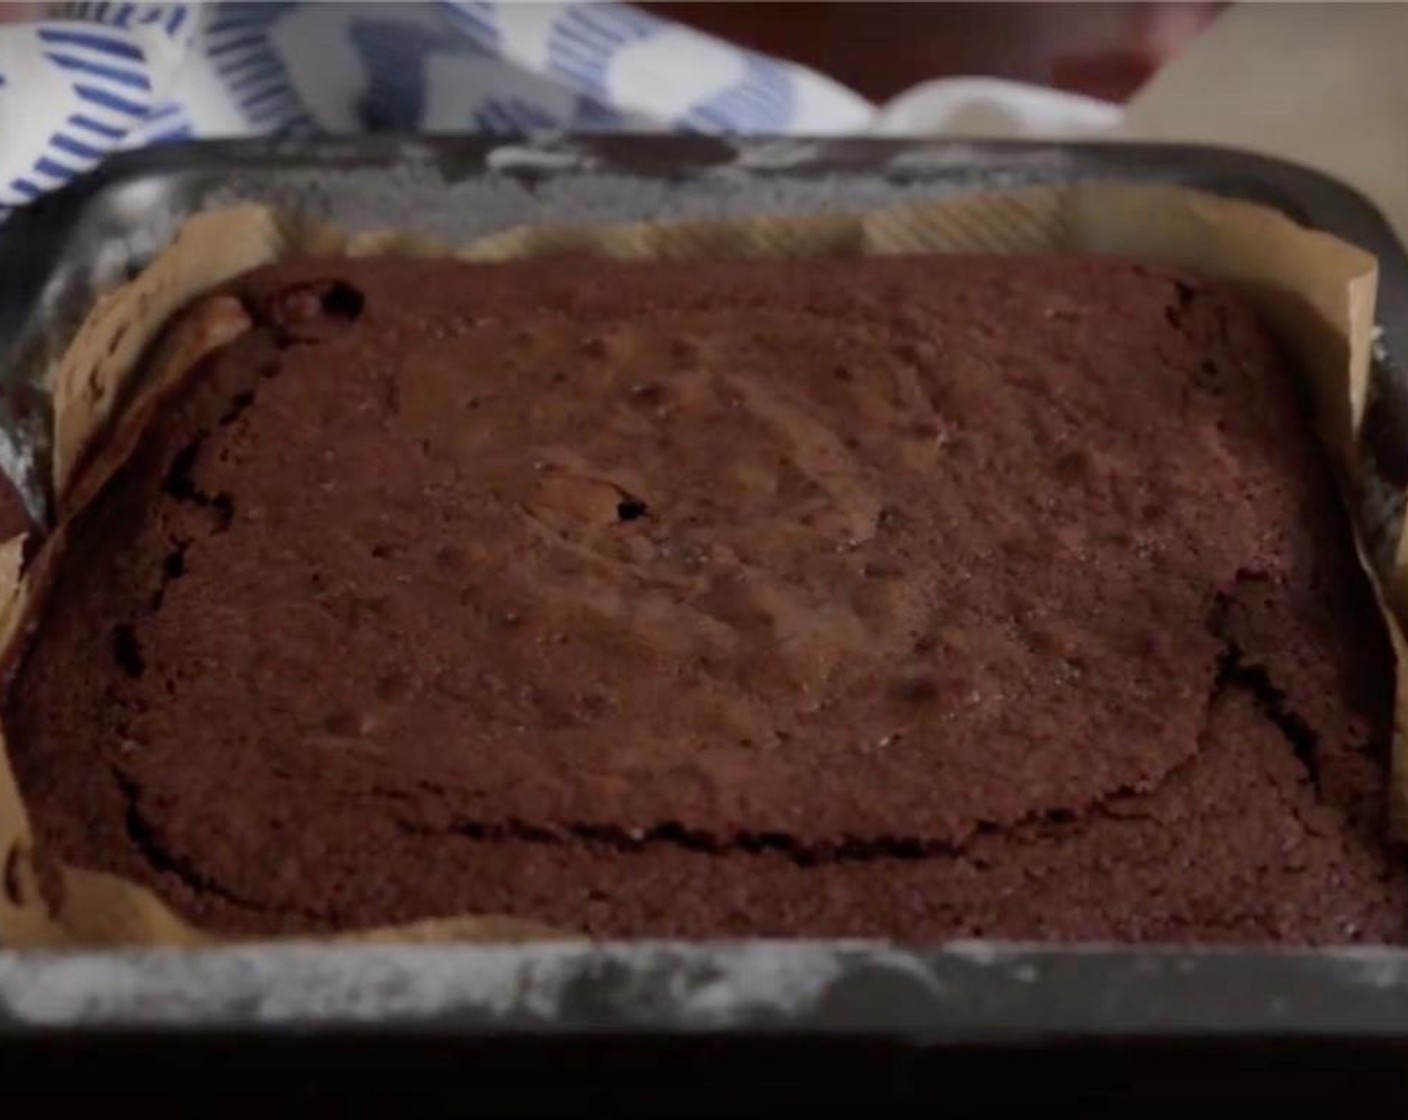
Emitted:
pixel 879 49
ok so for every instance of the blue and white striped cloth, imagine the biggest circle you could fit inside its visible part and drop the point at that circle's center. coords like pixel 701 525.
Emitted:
pixel 98 77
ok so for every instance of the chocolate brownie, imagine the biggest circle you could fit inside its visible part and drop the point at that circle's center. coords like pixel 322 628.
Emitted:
pixel 906 597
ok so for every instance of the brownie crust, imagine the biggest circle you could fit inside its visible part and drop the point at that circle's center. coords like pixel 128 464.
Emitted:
pixel 915 598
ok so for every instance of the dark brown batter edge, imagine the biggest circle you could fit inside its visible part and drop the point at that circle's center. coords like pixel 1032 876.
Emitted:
pixel 910 597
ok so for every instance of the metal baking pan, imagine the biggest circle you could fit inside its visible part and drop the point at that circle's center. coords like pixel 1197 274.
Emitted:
pixel 685 1029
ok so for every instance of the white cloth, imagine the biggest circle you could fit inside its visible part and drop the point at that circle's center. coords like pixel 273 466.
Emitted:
pixel 100 77
pixel 993 108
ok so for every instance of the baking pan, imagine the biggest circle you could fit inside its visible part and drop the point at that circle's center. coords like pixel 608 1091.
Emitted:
pixel 687 1029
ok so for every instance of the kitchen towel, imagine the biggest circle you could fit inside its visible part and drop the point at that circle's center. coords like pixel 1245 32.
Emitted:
pixel 92 78
pixel 88 79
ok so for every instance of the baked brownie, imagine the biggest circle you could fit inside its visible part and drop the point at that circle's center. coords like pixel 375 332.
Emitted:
pixel 906 597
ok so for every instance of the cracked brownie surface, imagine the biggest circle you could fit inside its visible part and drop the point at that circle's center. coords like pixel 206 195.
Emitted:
pixel 910 597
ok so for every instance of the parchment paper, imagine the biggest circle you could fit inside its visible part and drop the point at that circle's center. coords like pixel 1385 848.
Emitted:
pixel 1315 292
